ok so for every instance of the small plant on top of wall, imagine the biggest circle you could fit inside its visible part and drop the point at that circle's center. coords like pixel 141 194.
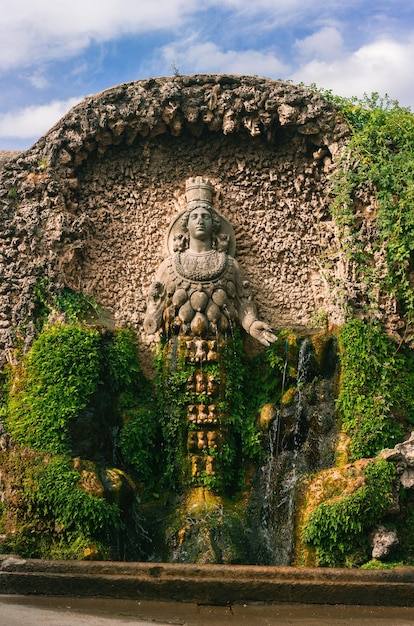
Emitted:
pixel 74 307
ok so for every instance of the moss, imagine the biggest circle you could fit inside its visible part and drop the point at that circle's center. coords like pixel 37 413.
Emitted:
pixel 288 396
pixel 338 528
pixel 47 513
pixel 204 528
pixel 57 507
pixel 266 416
pixel 376 564
pixel 52 385
pixel 376 398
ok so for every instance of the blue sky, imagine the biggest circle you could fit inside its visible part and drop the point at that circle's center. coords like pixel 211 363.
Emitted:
pixel 53 53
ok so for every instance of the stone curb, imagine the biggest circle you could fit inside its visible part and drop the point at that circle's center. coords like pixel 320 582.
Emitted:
pixel 207 584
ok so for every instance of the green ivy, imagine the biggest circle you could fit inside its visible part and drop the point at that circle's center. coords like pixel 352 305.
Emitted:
pixel 55 518
pixel 121 360
pixel 139 434
pixel 381 152
pixel 52 385
pixel 138 442
pixel 338 529
pixel 376 398
pixel 75 306
pixel 57 496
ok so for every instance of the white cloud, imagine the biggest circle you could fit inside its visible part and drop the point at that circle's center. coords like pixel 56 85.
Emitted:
pixel 327 43
pixel 384 65
pixel 51 29
pixel 209 58
pixel 33 121
pixel 31 32
pixel 283 9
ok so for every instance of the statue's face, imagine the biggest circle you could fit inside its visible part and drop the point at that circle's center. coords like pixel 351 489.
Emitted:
pixel 200 224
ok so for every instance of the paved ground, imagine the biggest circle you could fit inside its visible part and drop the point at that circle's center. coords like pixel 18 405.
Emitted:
pixel 47 611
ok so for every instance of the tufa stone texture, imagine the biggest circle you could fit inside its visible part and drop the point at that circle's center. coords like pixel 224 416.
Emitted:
pixel 88 206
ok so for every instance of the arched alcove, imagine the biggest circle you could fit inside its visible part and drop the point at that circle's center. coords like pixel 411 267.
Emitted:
pixel 89 205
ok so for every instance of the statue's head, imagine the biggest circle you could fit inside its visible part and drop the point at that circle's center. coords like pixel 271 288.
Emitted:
pixel 199 194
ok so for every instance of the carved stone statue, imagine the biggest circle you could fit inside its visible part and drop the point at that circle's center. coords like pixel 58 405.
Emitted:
pixel 199 290
pixel 198 298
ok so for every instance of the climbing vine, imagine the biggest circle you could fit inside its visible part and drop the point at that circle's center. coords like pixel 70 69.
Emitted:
pixel 245 385
pixel 380 154
pixel 376 398
pixel 51 385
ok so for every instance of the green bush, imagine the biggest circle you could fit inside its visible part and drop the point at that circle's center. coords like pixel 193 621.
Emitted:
pixel 52 385
pixel 376 398
pixel 338 529
pixel 380 153
pixel 138 443
pixel 52 516
pixel 57 496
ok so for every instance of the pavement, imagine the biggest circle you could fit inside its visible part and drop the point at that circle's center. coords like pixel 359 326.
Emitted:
pixel 16 610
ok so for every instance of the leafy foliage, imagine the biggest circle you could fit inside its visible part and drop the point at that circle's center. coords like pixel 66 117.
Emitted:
pixel 376 398
pixel 121 359
pixel 136 406
pixel 381 152
pixel 65 374
pixel 58 496
pixel 55 382
pixel 54 518
pixel 337 528
pixel 76 307
pixel 245 385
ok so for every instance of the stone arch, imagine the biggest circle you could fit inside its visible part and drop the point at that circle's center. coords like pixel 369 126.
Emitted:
pixel 88 205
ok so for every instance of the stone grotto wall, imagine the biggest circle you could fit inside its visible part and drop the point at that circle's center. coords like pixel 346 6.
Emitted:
pixel 88 206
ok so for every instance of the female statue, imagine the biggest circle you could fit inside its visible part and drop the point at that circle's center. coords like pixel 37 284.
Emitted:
pixel 198 298
pixel 199 290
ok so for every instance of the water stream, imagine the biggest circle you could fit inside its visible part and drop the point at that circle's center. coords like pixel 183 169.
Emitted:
pixel 300 440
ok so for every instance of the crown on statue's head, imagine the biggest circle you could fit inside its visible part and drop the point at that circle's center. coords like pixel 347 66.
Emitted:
pixel 199 188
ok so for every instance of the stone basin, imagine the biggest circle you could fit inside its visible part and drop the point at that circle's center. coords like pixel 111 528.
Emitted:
pixel 207 584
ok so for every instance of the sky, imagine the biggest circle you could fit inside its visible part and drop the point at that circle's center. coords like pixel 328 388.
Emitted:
pixel 53 53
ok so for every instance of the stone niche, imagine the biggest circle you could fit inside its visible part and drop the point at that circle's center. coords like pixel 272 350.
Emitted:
pixel 89 205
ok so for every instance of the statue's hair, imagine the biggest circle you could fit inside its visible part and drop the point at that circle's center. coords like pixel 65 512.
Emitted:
pixel 194 205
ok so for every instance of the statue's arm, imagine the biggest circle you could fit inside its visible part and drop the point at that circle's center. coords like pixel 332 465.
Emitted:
pixel 248 317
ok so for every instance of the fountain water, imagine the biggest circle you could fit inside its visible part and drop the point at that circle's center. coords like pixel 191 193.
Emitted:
pixel 301 428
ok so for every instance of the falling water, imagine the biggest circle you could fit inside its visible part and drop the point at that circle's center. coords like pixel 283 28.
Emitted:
pixel 293 445
pixel 227 312
pixel 268 491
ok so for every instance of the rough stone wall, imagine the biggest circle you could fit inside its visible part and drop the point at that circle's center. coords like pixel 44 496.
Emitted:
pixel 6 155
pixel 89 205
